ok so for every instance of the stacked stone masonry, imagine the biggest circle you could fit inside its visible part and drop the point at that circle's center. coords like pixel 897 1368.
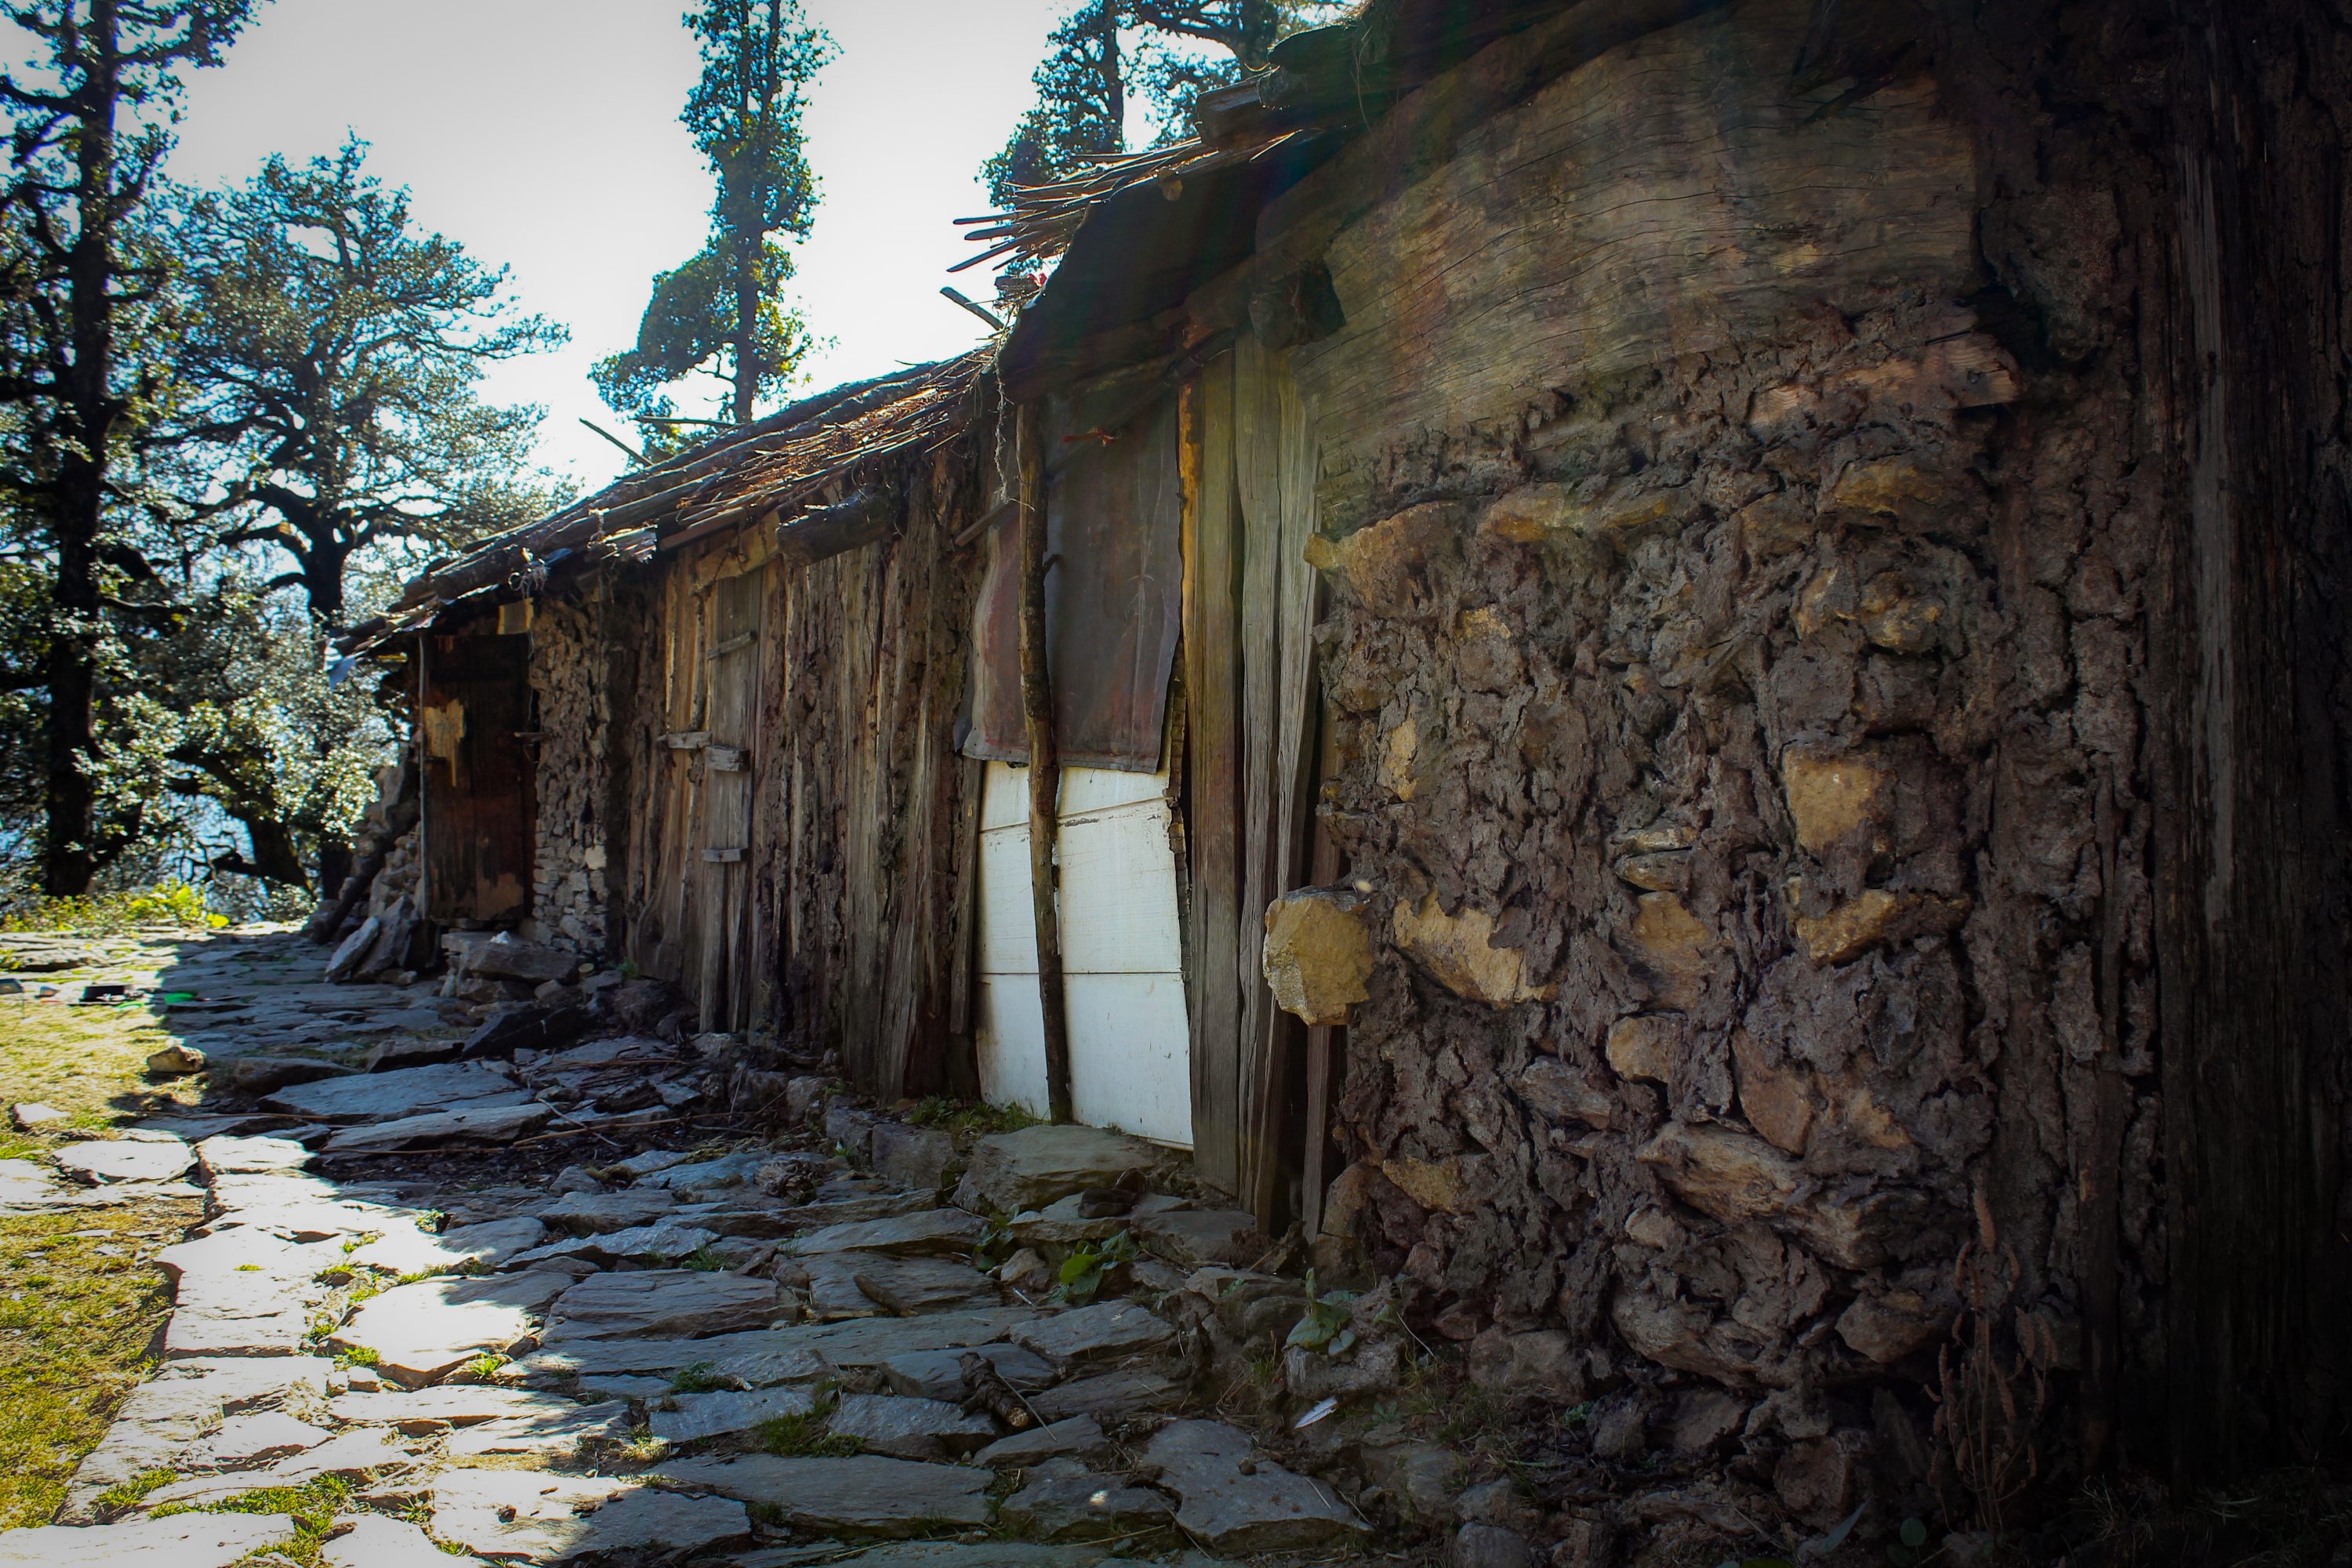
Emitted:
pixel 1745 752
pixel 569 686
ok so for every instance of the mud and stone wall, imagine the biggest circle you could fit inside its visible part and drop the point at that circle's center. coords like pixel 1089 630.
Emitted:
pixel 569 659
pixel 1742 726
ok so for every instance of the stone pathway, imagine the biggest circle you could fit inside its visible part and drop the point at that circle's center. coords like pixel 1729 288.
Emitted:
pixel 524 1309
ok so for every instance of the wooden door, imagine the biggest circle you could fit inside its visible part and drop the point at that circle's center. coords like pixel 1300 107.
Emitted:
pixel 479 778
pixel 721 974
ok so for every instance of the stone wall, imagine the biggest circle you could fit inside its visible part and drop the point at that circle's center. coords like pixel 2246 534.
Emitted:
pixel 1742 743
pixel 570 687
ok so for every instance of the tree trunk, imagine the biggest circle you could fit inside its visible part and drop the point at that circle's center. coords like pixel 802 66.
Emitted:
pixel 1114 76
pixel 322 576
pixel 70 855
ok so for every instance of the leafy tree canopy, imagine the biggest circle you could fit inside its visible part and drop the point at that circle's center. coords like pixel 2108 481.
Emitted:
pixel 331 356
pixel 722 309
pixel 1166 52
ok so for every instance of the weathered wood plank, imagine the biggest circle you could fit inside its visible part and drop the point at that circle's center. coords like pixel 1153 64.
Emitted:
pixel 1213 740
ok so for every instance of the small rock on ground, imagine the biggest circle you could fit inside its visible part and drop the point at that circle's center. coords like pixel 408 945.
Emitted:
pixel 1029 1169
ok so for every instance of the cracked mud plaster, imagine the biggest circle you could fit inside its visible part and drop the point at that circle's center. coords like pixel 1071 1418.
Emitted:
pixel 1722 742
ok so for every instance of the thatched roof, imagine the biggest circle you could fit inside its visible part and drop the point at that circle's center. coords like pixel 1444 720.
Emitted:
pixel 770 469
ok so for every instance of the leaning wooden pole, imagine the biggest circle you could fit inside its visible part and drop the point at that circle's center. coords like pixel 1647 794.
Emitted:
pixel 1044 765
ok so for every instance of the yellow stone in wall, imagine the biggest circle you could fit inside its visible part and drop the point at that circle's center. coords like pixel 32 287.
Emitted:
pixel 1888 487
pixel 1397 753
pixel 1830 797
pixel 1458 954
pixel 1317 953
pixel 1675 947
pixel 1646 1045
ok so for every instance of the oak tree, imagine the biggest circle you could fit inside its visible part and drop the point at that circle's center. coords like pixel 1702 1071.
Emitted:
pixel 332 354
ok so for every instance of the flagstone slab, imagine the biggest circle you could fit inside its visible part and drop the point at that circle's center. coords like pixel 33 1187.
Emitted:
pixel 1080 1437
pixel 1129 1391
pixel 408 1251
pixel 545 1517
pixel 590 1214
pixel 242 1442
pixel 29 1184
pixel 406 1092
pixel 161 1158
pixel 697 1418
pixel 1012 1172
pixel 185 1541
pixel 351 1457
pixel 660 1303
pixel 163 1415
pixel 939 1374
pixel 1235 1500
pixel 375 1541
pixel 465 1125
pixel 664 1242
pixel 222 1156
pixel 1107 1331
pixel 865 1495
pixel 423 1412
pixel 908 1428
pixel 424 1332
pixel 546 1435
pixel 926 1233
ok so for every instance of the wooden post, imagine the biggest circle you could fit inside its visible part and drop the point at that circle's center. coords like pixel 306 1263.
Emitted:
pixel 1045 766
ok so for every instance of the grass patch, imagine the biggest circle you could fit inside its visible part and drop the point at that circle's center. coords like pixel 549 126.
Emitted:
pixel 165 903
pixel 73 1345
pixel 702 1260
pixel 702 1377
pixel 312 1506
pixel 803 1436
pixel 121 1498
pixel 358 1355
pixel 965 1120
pixel 77 1315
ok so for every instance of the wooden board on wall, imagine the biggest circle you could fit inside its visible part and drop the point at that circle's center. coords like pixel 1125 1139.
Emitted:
pixel 1666 198
pixel 478 779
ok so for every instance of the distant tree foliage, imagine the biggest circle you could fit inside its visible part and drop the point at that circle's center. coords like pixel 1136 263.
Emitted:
pixel 1166 52
pixel 228 422
pixel 724 305
pixel 330 355
pixel 78 284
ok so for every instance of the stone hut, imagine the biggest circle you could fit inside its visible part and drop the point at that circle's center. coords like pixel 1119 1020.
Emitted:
pixel 1667 668
pixel 701 722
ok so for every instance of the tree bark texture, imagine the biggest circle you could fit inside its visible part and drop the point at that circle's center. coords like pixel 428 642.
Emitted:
pixel 78 501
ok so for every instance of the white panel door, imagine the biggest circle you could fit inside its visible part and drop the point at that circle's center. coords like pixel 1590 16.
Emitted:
pixel 1123 984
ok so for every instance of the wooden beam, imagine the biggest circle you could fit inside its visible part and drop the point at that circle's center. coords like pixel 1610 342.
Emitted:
pixel 826 532
pixel 1044 765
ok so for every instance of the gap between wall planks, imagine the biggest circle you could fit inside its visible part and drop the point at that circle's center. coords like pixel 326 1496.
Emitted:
pixel 1044 764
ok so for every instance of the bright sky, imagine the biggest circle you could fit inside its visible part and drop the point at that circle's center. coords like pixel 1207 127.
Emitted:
pixel 543 135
